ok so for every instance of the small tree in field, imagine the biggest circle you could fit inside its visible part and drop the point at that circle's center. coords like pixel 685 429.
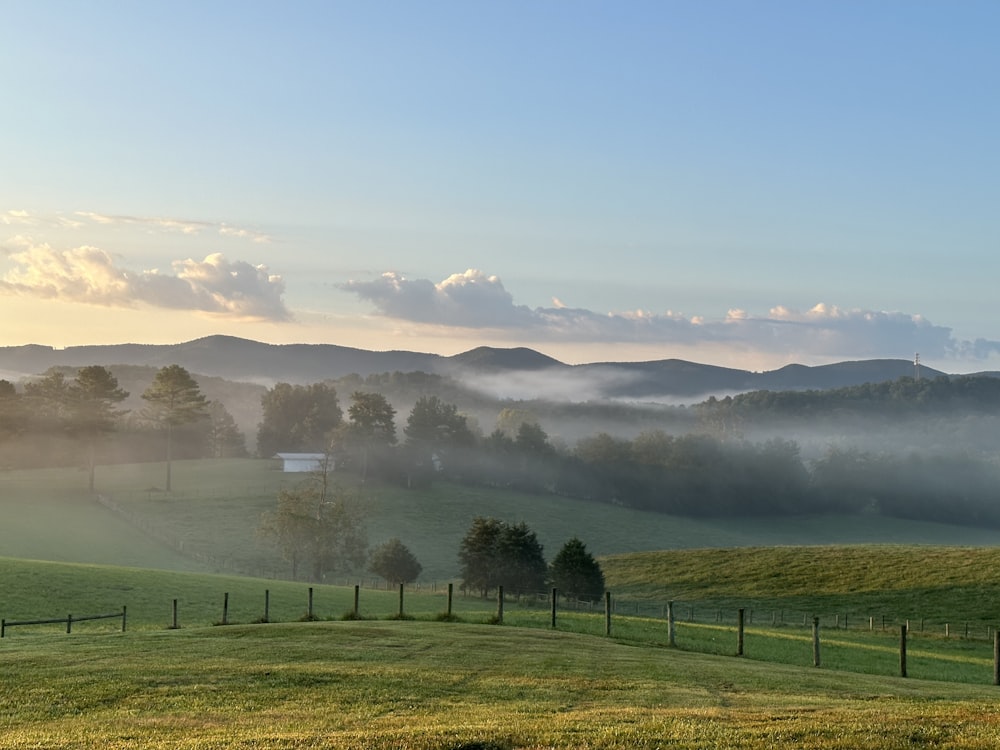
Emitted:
pixel 318 525
pixel 576 573
pixel 394 562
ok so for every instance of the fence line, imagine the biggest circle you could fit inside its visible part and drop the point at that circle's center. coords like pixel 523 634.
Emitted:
pixel 68 619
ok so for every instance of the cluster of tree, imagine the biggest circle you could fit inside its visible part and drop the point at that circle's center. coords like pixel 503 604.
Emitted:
pixel 318 527
pixel 494 553
pixel 309 418
pixel 57 421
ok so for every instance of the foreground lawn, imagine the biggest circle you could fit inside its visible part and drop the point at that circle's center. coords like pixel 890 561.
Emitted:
pixel 443 685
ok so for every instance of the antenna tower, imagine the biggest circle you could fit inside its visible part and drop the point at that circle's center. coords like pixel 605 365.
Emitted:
pixel 916 366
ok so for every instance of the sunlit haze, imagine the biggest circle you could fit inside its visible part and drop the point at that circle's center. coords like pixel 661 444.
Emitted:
pixel 743 184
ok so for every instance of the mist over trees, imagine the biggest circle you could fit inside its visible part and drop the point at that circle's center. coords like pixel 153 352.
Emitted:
pixel 298 419
pixel 910 448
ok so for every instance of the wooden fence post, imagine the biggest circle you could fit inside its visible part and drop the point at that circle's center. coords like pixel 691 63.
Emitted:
pixel 451 588
pixel 310 609
pixel 357 596
pixel 123 618
pixel 815 641
pixel 996 658
pixel 225 609
pixel 555 593
pixel 607 613
pixel 902 650
pixel 267 605
pixel 69 623
pixel 401 601
pixel 740 613
pixel 500 605
pixel 173 624
pixel 671 630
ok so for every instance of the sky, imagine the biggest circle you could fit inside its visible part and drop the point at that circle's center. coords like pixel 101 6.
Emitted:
pixel 747 184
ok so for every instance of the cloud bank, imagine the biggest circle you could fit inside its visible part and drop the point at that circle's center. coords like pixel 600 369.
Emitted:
pixel 474 300
pixel 90 275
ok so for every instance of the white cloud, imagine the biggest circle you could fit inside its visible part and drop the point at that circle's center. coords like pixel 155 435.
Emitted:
pixel 90 275
pixel 174 225
pixel 474 300
pixel 83 219
pixel 469 299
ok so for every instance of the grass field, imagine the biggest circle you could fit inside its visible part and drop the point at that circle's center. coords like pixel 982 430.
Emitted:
pixel 428 684
pixel 215 509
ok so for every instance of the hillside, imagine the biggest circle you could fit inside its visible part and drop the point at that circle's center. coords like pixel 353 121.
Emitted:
pixel 211 520
pixel 252 361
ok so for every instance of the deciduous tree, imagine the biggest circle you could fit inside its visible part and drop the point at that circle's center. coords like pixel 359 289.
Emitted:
pixel 298 418
pixel 434 432
pixel 372 426
pixel 319 525
pixel 394 562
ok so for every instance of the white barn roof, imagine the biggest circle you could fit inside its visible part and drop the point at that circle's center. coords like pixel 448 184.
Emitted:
pixel 295 462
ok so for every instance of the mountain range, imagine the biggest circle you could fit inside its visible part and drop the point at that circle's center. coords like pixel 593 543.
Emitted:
pixel 497 369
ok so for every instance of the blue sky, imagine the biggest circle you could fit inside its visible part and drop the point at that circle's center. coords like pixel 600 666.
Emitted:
pixel 740 183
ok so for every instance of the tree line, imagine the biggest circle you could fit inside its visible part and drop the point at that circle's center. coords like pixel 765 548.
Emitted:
pixel 56 421
pixel 707 472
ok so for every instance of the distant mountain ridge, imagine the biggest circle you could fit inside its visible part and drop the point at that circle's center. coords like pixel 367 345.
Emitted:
pixel 253 361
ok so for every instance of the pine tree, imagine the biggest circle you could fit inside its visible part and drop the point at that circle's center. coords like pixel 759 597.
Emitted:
pixel 575 572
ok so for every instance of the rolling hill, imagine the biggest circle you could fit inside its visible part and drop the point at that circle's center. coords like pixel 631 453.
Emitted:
pixel 244 360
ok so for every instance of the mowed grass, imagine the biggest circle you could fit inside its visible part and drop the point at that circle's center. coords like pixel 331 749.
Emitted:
pixel 425 684
pixel 210 521
pixel 432 685
pixel 34 590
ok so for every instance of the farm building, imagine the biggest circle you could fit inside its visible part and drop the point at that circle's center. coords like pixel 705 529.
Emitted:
pixel 299 462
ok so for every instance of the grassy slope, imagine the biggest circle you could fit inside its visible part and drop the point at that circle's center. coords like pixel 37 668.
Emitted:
pixel 428 685
pixel 216 507
pixel 930 585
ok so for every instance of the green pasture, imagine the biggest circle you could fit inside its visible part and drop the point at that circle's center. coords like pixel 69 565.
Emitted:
pixel 209 521
pixel 437 685
pixel 41 590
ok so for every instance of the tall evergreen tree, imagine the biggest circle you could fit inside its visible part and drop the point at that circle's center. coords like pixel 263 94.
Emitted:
pixel 174 399
pixel 94 394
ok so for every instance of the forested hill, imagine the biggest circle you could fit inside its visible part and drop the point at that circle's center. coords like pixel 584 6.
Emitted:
pixel 906 396
pixel 252 361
